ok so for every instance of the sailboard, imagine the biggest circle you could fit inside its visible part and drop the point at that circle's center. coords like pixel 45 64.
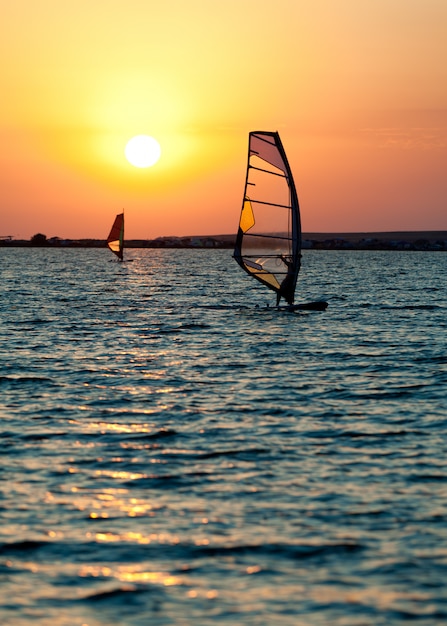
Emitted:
pixel 268 242
pixel 115 240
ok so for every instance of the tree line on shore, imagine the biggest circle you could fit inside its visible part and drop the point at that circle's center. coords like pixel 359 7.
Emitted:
pixel 429 240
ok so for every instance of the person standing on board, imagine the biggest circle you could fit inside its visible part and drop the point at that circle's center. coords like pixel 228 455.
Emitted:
pixel 287 287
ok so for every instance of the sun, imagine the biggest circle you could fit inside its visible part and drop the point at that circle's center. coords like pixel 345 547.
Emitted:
pixel 142 151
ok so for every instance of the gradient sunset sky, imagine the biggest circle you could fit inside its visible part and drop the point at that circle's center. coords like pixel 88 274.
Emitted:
pixel 356 88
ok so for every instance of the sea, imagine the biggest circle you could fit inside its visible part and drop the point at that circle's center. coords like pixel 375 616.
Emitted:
pixel 176 451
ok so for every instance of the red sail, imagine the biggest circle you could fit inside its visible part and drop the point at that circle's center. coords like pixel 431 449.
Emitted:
pixel 115 240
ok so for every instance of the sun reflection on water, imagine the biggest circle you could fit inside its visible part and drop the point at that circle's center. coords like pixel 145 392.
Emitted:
pixel 112 504
pixel 116 427
pixel 129 574
pixel 135 537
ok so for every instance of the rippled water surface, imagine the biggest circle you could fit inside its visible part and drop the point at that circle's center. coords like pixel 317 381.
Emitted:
pixel 173 454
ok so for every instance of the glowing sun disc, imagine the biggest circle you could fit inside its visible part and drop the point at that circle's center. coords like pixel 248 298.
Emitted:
pixel 142 151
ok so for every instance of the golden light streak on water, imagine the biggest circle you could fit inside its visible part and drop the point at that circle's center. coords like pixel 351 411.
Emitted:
pixel 150 577
pixel 120 475
pixel 132 537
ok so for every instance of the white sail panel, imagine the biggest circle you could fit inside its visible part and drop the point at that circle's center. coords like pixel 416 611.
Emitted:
pixel 265 146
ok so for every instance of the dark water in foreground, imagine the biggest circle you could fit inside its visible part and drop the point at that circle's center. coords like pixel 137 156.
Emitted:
pixel 173 455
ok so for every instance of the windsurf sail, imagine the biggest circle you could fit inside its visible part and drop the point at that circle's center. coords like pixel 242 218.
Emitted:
pixel 115 240
pixel 268 242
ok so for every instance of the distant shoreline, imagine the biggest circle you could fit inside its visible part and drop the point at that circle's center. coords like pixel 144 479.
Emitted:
pixel 431 240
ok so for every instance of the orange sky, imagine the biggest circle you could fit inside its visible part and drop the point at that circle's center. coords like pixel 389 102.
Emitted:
pixel 356 88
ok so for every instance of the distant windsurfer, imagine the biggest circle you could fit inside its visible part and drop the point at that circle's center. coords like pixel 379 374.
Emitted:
pixel 287 287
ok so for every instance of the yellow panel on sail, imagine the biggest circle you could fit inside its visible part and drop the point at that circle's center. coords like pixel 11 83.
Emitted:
pixel 114 245
pixel 264 276
pixel 261 274
pixel 247 217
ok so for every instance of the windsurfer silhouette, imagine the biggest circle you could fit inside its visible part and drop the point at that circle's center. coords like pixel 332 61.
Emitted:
pixel 287 287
